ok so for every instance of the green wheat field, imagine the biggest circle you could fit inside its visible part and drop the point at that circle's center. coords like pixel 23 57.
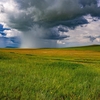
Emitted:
pixel 50 74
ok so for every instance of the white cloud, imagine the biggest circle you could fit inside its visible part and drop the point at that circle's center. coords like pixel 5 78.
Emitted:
pixel 60 42
pixel 77 36
pixel 98 40
pixel 12 33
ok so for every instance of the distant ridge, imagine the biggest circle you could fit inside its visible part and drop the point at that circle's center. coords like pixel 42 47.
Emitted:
pixel 94 47
pixel 10 47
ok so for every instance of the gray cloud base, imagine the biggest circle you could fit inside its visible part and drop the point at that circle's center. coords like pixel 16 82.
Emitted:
pixel 52 12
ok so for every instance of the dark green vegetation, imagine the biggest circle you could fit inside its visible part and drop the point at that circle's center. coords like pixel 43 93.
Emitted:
pixel 50 74
pixel 91 47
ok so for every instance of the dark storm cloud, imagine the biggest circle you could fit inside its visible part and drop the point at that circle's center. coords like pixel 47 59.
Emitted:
pixel 37 3
pixel 44 12
pixel 88 2
pixel 72 23
pixel 54 35
pixel 53 12
pixel 22 23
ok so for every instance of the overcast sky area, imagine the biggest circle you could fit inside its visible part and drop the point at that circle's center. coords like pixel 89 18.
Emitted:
pixel 49 23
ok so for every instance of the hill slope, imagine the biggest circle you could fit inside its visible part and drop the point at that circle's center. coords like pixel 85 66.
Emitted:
pixel 91 47
pixel 50 74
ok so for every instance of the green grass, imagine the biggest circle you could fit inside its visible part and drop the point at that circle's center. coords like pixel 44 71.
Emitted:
pixel 91 47
pixel 50 74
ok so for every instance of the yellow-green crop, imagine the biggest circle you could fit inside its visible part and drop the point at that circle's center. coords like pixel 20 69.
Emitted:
pixel 50 74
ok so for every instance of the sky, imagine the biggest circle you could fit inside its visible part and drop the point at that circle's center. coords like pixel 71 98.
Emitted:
pixel 49 23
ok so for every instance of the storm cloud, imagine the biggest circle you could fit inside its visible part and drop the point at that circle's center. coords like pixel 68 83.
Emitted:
pixel 46 20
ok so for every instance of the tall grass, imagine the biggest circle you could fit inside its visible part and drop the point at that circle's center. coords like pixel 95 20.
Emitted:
pixel 49 74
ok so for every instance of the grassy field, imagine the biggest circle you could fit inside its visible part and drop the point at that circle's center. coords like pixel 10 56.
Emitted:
pixel 50 74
